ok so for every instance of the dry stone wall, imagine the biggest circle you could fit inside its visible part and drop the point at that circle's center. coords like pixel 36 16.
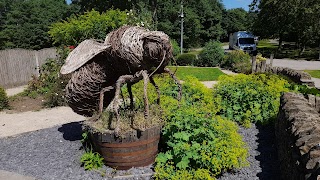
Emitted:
pixel 298 136
pixel 300 77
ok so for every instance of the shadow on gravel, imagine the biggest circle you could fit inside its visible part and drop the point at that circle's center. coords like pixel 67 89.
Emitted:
pixel 268 157
pixel 71 131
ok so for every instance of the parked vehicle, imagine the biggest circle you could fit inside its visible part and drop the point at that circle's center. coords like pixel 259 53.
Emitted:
pixel 244 41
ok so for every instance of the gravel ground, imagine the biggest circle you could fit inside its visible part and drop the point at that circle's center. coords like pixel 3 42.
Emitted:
pixel 54 153
pixel 263 158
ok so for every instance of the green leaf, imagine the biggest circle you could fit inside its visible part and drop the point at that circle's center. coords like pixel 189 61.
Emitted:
pixel 184 163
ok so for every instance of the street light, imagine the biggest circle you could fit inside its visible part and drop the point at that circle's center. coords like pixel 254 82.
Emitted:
pixel 181 38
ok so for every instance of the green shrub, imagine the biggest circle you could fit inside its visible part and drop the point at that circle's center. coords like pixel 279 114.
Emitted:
pixel 305 90
pixel 176 47
pixel 186 59
pixel 196 144
pixel 4 102
pixel 50 83
pixel 211 55
pixel 250 98
pixel 237 61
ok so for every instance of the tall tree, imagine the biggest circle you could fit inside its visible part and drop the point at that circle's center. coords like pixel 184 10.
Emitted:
pixel 202 17
pixel 27 23
pixel 234 20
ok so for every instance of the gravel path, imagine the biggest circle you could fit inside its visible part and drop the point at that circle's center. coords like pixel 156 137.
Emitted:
pixel 54 153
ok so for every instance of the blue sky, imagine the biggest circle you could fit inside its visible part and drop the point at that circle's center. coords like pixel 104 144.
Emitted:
pixel 229 4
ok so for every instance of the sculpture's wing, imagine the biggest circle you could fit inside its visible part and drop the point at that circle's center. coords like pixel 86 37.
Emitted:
pixel 83 53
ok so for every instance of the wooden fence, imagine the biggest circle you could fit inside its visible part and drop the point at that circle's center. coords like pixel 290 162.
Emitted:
pixel 18 65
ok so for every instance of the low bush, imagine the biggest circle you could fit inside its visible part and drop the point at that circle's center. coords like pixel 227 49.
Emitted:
pixel 50 83
pixel 237 61
pixel 250 98
pixel 196 144
pixel 186 59
pixel 4 101
pixel 211 55
pixel 304 89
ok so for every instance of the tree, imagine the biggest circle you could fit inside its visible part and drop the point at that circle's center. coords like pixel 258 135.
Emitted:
pixel 202 17
pixel 292 18
pixel 202 21
pixel 91 25
pixel 27 23
pixel 234 20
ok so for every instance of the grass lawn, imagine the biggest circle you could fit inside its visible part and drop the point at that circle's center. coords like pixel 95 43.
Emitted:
pixel 202 73
pixel 314 73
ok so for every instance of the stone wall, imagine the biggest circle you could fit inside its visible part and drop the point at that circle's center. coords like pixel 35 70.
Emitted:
pixel 297 131
pixel 300 77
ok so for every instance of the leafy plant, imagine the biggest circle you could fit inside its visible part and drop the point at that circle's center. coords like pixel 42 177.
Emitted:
pixel 237 61
pixel 304 89
pixel 196 144
pixel 186 59
pixel 4 102
pixel 250 98
pixel 91 160
pixel 211 55
pixel 50 83
pixel 201 143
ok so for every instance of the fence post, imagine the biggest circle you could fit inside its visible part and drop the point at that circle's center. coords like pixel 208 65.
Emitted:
pixel 271 59
pixel 37 63
pixel 263 66
pixel 254 64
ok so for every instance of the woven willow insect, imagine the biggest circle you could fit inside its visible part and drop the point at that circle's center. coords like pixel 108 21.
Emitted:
pixel 128 55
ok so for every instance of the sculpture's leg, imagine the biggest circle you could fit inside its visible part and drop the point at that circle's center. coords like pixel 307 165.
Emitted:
pixel 167 70
pixel 97 116
pixel 122 80
pixel 130 96
pixel 145 94
pixel 157 89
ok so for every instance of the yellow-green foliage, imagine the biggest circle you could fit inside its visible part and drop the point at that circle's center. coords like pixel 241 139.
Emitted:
pixel 197 144
pixel 87 26
pixel 250 98
pixel 260 58
pixel 4 102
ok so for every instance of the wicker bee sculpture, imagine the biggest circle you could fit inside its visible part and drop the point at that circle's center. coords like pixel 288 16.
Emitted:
pixel 99 70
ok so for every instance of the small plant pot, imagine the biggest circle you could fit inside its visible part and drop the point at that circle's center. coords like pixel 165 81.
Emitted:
pixel 133 149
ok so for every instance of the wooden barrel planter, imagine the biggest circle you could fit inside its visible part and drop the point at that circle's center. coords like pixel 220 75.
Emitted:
pixel 134 149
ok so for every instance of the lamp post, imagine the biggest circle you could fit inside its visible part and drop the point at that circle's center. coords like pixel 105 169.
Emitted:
pixel 181 38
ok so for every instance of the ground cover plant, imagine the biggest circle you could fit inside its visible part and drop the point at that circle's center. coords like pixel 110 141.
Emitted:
pixel 250 98
pixel 196 144
pixel 201 73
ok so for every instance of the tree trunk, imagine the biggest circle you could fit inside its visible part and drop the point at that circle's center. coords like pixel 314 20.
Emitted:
pixel 280 41
pixel 302 49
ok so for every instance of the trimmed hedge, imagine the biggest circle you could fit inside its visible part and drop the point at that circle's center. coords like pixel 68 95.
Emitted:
pixel 212 55
pixel 186 59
